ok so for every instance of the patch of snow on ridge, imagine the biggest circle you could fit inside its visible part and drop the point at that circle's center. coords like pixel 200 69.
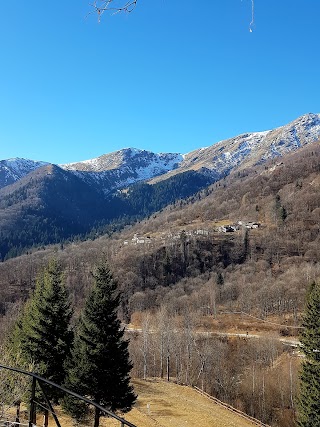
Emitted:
pixel 133 151
pixel 131 165
pixel 238 148
pixel 128 157
pixel 197 150
pixel 18 167
pixel 302 131
pixel 124 167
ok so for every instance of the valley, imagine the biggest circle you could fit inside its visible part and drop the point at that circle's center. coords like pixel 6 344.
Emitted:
pixel 213 276
pixel 81 200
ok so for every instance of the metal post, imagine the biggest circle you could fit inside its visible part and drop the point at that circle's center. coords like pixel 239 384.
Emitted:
pixel 49 404
pixel 18 411
pixel 32 414
pixel 33 402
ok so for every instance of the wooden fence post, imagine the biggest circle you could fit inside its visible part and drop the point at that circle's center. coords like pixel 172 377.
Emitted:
pixel 45 418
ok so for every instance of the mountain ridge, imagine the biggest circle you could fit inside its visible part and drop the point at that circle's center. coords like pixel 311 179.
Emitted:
pixel 250 149
pixel 128 166
pixel 51 203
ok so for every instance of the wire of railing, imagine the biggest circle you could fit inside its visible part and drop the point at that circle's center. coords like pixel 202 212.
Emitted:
pixel 33 402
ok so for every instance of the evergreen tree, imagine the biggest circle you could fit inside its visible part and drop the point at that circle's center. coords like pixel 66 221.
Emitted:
pixel 309 400
pixel 220 280
pixel 42 334
pixel 100 365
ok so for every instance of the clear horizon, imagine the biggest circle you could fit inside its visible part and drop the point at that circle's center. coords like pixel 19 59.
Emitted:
pixel 165 78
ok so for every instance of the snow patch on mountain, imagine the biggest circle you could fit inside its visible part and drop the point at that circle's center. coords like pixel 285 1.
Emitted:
pixel 254 148
pixel 21 167
pixel 125 167
pixel 11 170
pixel 226 154
pixel 130 165
pixel 156 163
pixel 302 131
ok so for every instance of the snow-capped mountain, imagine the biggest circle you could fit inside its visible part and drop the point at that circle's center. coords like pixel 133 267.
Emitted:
pixel 144 163
pixel 128 166
pixel 42 203
pixel 124 167
pixel 12 170
pixel 253 148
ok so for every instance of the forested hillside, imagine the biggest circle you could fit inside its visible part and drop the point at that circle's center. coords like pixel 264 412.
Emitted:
pixel 56 204
pixel 283 197
pixel 181 270
pixel 51 205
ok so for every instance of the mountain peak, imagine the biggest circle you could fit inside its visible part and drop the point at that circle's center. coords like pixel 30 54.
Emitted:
pixel 11 170
pixel 121 158
pixel 129 165
pixel 306 120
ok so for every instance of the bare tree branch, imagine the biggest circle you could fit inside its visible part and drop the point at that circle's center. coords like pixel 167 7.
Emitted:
pixel 115 6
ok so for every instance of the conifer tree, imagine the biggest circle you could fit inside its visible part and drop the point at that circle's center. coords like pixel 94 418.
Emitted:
pixel 309 399
pixel 42 335
pixel 100 365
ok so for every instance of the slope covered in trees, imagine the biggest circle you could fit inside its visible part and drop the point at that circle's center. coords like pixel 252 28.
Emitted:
pixel 51 205
pixel 284 249
pixel 193 277
pixel 309 412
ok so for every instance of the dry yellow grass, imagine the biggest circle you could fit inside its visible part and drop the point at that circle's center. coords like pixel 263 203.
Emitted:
pixel 163 404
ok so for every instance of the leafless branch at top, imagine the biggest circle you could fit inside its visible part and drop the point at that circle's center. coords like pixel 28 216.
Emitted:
pixel 115 6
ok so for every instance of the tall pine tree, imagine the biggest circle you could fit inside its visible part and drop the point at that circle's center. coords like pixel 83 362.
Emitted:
pixel 309 399
pixel 42 335
pixel 100 365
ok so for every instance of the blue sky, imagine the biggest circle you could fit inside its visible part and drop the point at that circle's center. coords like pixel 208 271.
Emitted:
pixel 172 76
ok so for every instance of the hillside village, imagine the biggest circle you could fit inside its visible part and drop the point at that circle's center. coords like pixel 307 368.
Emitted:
pixel 189 233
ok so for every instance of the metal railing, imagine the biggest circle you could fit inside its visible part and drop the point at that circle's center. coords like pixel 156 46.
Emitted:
pixel 41 381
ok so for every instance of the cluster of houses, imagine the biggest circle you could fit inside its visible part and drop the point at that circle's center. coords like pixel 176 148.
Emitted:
pixel 138 240
pixel 142 240
pixel 240 224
